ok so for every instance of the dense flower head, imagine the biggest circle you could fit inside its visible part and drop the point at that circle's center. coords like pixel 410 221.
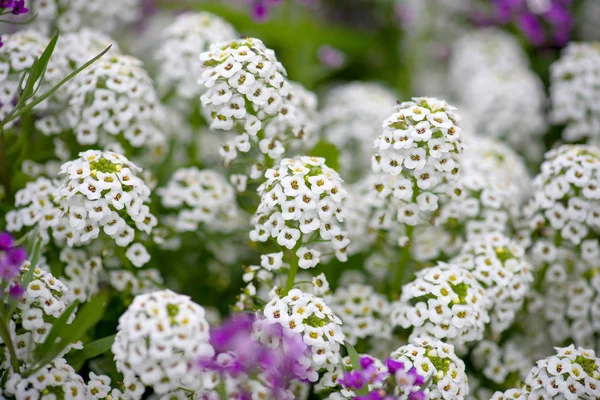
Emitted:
pixel 572 373
pixel 438 364
pixel 138 282
pixel 189 34
pixel 308 316
pixel 499 265
pixel 331 380
pixel 17 55
pixel 565 207
pixel 364 312
pixel 72 15
pixel 101 190
pixel 157 337
pixel 302 198
pixel 200 197
pixel 446 302
pixel 573 90
pixel 81 274
pixel 501 364
pixel 351 117
pixel 114 101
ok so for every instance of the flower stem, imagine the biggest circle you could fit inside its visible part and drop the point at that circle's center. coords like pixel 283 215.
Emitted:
pixel 221 389
pixel 291 274
pixel 403 263
pixel 5 334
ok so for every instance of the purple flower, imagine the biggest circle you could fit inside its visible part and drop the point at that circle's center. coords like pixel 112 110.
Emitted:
pixel 531 28
pixel 331 57
pixel 393 365
pixel 6 241
pixel 353 380
pixel 11 257
pixel 16 291
pixel 7 3
pixel 19 7
pixel 420 395
pixel 260 11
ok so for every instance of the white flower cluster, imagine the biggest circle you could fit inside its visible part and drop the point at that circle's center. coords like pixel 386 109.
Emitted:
pixel 501 95
pixel 574 92
pixel 498 264
pixel 57 380
pixel 571 374
pixel 158 335
pixel 436 362
pixel 246 89
pixel 501 363
pixel 72 15
pixel 565 207
pixel 421 142
pixel 81 274
pixel 101 190
pixel 445 302
pixel 364 312
pixel 351 117
pixel 141 282
pixel 307 315
pixel 200 197
pixel 302 199
pixel 330 379
pixel 115 101
pixel 16 55
pixel 189 34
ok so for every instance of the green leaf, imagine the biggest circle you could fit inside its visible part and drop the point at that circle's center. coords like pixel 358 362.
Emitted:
pixel 329 152
pixel 91 350
pixel 44 59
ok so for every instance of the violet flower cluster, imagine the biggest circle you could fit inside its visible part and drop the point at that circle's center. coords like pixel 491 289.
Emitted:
pixel 397 383
pixel 15 7
pixel 11 259
pixel 248 358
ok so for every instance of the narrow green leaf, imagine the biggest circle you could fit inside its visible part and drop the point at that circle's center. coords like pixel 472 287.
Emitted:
pixel 43 61
pixel 91 350
pixel 329 152
pixel 27 92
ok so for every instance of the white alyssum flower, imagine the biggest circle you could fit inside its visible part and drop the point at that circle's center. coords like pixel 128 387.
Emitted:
pixel 102 191
pixel 188 35
pixel 307 315
pixel 201 197
pixel 436 361
pixel 500 265
pixel 157 337
pixel 574 89
pixel 81 274
pixel 445 302
pixel 351 117
pixel 302 200
pixel 501 363
pixel 571 374
pixel 135 283
pixel 114 101
pixel 364 312
pixel 421 143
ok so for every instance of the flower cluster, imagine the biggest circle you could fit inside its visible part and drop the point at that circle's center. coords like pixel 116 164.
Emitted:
pixel 351 117
pixel 81 274
pixel 436 362
pixel 446 302
pixel 187 36
pixel 501 364
pixel 308 316
pixel 574 90
pixel 101 190
pixel 421 142
pixel 157 337
pixel 331 380
pixel 301 199
pixel 499 265
pixel 364 312
pixel 114 101
pixel 201 197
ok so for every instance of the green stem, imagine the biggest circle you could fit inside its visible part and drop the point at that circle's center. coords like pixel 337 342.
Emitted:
pixel 291 274
pixel 4 166
pixel 403 263
pixel 5 334
pixel 221 389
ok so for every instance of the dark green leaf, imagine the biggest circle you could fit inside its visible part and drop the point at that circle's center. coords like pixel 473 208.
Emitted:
pixel 44 59
pixel 328 151
pixel 91 350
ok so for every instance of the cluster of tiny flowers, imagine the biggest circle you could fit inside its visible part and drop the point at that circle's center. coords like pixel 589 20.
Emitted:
pixel 301 199
pixel 330 380
pixel 436 362
pixel 498 264
pixel 364 312
pixel 565 207
pixel 571 374
pixel 72 15
pixel 157 337
pixel 17 55
pixel 114 101
pixel 81 274
pixel 200 197
pixel 421 142
pixel 306 315
pixel 246 87
pixel 101 190
pixel 446 302
pixel 190 34
pixel 351 117
pixel 57 380
pixel 135 283
pixel 501 364
pixel 574 90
